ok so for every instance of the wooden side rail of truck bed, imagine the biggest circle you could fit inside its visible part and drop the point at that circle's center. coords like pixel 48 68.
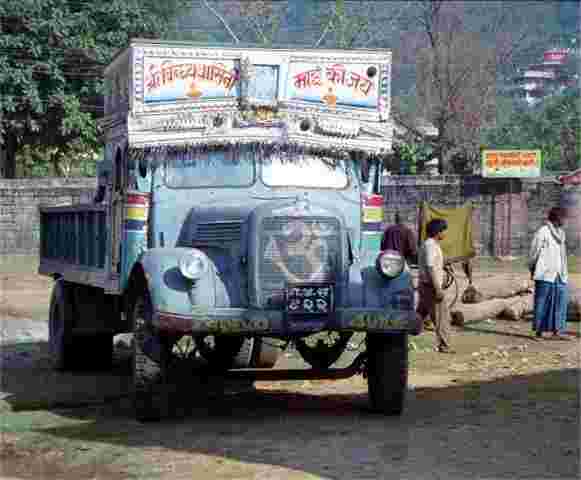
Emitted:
pixel 73 242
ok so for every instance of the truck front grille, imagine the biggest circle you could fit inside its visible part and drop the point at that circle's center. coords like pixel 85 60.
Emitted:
pixel 296 250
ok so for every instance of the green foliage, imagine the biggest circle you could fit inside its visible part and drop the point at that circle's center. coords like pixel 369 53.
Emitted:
pixel 411 157
pixel 553 126
pixel 52 53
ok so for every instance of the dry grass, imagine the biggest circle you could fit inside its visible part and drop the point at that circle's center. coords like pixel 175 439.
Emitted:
pixel 23 292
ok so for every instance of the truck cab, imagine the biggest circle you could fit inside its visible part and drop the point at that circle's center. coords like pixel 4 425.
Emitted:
pixel 239 210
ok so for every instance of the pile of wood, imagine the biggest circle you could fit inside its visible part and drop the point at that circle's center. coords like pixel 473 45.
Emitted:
pixel 509 297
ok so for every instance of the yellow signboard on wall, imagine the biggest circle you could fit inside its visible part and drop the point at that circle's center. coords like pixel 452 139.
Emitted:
pixel 511 163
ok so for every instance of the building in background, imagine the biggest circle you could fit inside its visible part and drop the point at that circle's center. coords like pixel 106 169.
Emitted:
pixel 555 74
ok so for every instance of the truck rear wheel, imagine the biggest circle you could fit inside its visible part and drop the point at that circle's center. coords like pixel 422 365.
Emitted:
pixel 387 372
pixel 69 351
pixel 60 326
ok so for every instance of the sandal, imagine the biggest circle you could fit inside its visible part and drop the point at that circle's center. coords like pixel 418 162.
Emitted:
pixel 446 350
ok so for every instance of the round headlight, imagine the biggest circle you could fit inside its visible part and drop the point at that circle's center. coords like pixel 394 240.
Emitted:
pixel 390 263
pixel 193 265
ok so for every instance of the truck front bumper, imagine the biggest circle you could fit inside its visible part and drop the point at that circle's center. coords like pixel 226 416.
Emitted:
pixel 237 321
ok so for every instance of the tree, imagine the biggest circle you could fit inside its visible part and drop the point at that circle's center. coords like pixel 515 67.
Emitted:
pixel 52 54
pixel 554 127
pixel 469 47
pixel 331 23
pixel 250 21
pixel 456 86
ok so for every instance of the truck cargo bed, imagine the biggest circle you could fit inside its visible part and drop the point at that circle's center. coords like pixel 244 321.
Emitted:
pixel 73 243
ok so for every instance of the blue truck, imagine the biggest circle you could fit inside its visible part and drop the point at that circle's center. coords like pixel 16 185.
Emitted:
pixel 238 210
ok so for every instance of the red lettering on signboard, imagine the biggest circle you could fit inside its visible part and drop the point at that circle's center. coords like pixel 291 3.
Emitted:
pixel 166 73
pixel 336 74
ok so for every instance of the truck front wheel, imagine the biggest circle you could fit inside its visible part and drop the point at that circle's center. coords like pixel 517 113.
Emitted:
pixel 149 400
pixel 387 372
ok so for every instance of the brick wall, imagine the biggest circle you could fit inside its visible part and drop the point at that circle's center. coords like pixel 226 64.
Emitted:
pixel 19 202
pixel 506 213
pixel 515 209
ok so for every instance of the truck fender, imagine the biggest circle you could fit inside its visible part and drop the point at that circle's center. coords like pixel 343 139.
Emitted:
pixel 368 288
pixel 172 292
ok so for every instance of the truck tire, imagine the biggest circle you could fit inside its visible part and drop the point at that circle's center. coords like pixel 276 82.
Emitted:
pixel 243 358
pixel 387 372
pixel 69 351
pixel 60 326
pixel 94 352
pixel 149 400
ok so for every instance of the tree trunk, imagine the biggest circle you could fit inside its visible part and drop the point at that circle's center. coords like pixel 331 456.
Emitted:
pixel 498 287
pixel 8 156
pixel 521 307
pixel 463 314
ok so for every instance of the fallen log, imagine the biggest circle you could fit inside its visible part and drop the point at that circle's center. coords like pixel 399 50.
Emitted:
pixel 519 308
pixel 463 314
pixel 497 287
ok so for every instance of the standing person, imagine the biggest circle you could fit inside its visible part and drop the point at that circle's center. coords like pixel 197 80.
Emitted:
pixel 431 281
pixel 548 267
pixel 400 238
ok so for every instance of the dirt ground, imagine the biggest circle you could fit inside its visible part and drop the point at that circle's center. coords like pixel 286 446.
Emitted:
pixel 502 407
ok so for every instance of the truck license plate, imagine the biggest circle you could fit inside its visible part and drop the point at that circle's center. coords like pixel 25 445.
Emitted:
pixel 309 299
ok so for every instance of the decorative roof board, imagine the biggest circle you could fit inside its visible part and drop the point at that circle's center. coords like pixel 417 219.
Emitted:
pixel 182 93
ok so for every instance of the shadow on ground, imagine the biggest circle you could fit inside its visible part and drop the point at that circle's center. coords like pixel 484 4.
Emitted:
pixel 515 427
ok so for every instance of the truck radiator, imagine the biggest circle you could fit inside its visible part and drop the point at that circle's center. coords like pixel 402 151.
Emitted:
pixel 74 235
pixel 296 250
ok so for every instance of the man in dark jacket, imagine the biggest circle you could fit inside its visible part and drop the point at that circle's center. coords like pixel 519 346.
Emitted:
pixel 400 238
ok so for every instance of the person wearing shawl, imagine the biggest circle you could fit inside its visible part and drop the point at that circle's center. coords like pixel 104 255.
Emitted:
pixel 548 266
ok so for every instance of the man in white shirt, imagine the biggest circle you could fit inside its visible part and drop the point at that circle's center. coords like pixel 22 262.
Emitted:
pixel 548 267
pixel 430 284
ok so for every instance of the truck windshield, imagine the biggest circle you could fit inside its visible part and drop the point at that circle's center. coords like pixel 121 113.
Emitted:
pixel 219 168
pixel 305 171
